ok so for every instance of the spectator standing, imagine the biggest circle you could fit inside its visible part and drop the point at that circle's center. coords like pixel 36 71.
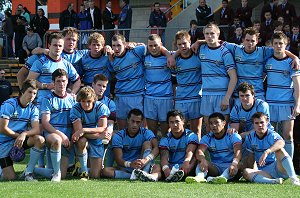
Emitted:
pixel 204 13
pixel 226 14
pixel 30 41
pixel 7 27
pixel 269 7
pixel 95 13
pixel 287 11
pixel 237 38
pixel 295 40
pixel 25 13
pixel 84 23
pixel 125 18
pixel 68 18
pixel 194 32
pixel 157 20
pixel 245 14
pixel 19 23
pixel 40 23
pixel 5 87
pixel 108 21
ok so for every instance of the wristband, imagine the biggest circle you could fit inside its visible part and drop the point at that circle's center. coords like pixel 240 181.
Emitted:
pixel 235 162
pixel 127 164
pixel 150 157
pixel 165 167
pixel 111 126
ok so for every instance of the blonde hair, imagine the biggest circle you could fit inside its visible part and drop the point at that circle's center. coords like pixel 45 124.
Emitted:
pixel 96 37
pixel 86 93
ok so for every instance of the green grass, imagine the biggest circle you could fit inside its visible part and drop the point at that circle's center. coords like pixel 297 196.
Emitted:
pixel 119 188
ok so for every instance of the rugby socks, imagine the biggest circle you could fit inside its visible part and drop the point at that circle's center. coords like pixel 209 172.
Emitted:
pixel 48 159
pixel 35 155
pixel 83 158
pixel 55 158
pixel 148 165
pixel 261 179
pixel 45 172
pixel 289 147
pixel 199 173
pixel 41 161
pixel 226 174
pixel 121 175
pixel 288 166
pixel 109 156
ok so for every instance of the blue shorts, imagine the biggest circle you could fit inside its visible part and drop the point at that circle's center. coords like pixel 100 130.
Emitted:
pixel 190 109
pixel 212 104
pixel 95 148
pixel 125 103
pixel 280 113
pixel 272 170
pixel 66 152
pixel 157 108
pixel 221 166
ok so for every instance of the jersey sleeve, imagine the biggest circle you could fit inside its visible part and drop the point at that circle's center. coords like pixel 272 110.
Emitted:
pixel 274 137
pixel 7 110
pixel 234 117
pixel 193 139
pixel 117 141
pixel 247 144
pixel 268 52
pixel 204 140
pixel 46 107
pixel 140 51
pixel 235 139
pixel 103 112
pixel 74 113
pixel 228 61
pixel 230 46
pixel 148 135
pixel 34 116
pixel 264 108
pixel 164 144
pixel 78 67
pixel 73 75
pixel 36 66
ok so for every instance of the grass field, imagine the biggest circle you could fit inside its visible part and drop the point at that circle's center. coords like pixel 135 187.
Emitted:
pixel 119 188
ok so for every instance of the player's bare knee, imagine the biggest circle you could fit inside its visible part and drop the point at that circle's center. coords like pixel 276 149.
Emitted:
pixel 247 173
pixel 108 172
pixel 39 141
pixel 81 143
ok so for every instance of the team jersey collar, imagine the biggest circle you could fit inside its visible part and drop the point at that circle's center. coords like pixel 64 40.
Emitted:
pixel 214 48
pixel 19 102
pixel 132 136
pixel 53 59
pixel 60 96
pixel 177 138
pixel 280 59
pixel 90 54
pixel 250 108
pixel 68 52
pixel 221 136
pixel 260 138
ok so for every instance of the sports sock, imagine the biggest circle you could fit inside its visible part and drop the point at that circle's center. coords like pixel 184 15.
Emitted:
pixel 45 172
pixel 121 175
pixel 35 155
pixel 48 159
pixel 226 174
pixel 41 161
pixel 199 173
pixel 288 166
pixel 289 147
pixel 261 179
pixel 148 165
pixel 83 161
pixel 55 158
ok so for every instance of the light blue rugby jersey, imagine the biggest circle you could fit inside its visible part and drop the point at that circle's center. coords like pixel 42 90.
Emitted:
pixel 238 114
pixel 221 150
pixel 31 60
pixel 177 146
pixel 250 66
pixel 90 119
pixel 129 70
pixel 75 56
pixel 257 145
pixel 45 66
pixel 158 77
pixel 19 117
pixel 215 65
pixel 188 75
pixel 111 106
pixel 59 109
pixel 280 87
pixel 131 146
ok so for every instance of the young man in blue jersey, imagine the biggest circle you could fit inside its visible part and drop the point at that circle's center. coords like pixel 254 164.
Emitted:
pixel 225 152
pixel 55 111
pixel 89 119
pixel 241 113
pixel 135 149
pixel 283 84
pixel 99 84
pixel 94 62
pixel 189 84
pixel 158 100
pixel 218 75
pixel 177 148
pixel 266 148
pixel 17 114
pixel 128 66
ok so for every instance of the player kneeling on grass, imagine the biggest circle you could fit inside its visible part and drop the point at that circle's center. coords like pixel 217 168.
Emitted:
pixel 89 118
pixel 177 148
pixel 16 115
pixel 134 149
pixel 225 153
pixel 266 147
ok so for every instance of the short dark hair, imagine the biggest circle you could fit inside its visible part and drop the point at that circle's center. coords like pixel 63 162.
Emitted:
pixel 245 86
pixel 117 37
pixel 258 115
pixel 193 22
pixel 99 77
pixel 217 115
pixel 174 113
pixel 27 84
pixel 55 35
pixel 136 112
pixel 156 3
pixel 251 31
pixel 59 73
pixel 279 35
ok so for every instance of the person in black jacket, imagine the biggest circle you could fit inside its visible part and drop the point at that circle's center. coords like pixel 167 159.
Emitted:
pixel 19 23
pixel 108 21
pixel 5 87
pixel 125 18
pixel 40 23
pixel 8 29
pixel 204 14
pixel 68 18
pixel 95 13
pixel 158 19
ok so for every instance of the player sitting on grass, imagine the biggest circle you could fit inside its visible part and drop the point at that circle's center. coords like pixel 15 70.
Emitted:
pixel 266 148
pixel 16 115
pixel 177 148
pixel 225 153
pixel 134 149
pixel 89 119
